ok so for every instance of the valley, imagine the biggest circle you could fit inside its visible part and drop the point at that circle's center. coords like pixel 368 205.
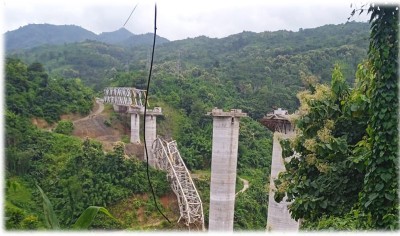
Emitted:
pixel 61 137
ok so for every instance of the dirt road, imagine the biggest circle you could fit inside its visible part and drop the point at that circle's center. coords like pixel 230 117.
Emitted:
pixel 98 110
pixel 246 185
pixel 93 126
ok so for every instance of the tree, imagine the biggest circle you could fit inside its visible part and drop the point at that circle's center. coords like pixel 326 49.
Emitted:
pixel 321 178
pixel 64 127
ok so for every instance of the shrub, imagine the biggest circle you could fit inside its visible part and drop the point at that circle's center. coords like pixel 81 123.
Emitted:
pixel 64 127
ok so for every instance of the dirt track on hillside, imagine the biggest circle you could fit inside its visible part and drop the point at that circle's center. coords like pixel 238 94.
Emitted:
pixel 93 127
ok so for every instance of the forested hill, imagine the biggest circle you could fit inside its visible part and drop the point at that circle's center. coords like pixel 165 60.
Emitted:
pixel 264 69
pixel 34 35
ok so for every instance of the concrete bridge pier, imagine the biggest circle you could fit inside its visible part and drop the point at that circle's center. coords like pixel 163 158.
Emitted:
pixel 151 132
pixel 279 218
pixel 223 168
pixel 135 124
pixel 135 128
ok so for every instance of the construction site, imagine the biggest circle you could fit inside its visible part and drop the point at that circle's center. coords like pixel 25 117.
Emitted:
pixel 164 155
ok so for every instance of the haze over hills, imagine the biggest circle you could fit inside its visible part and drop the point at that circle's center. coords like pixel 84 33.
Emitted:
pixel 34 35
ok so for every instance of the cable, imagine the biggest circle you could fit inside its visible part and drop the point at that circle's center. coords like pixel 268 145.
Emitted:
pixel 130 15
pixel 144 115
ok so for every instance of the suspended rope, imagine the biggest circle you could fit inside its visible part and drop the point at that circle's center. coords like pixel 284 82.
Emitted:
pixel 145 112
pixel 130 15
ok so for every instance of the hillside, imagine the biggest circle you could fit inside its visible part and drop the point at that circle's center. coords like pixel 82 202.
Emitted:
pixel 115 36
pixel 76 173
pixel 267 67
pixel 34 35
pixel 250 71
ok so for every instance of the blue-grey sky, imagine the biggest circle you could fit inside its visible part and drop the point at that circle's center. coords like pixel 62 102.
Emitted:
pixel 179 19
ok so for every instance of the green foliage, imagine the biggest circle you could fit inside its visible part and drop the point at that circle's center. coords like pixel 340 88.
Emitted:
pixel 14 216
pixel 251 206
pixel 86 218
pixel 19 194
pixel 17 218
pixel 253 67
pixel 30 222
pixel 75 175
pixel 125 139
pixel 32 93
pixel 202 184
pixel 94 178
pixel 64 127
pixel 83 222
pixel 354 220
pixel 250 71
pixel 380 192
pixel 254 165
pixel 361 163
pixel 326 175
pixel 255 146
pixel 50 217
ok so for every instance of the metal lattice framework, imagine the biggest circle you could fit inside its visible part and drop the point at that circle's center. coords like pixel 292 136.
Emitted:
pixel 277 122
pixel 125 96
pixel 169 159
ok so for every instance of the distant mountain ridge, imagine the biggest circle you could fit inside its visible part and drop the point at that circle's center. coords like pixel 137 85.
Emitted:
pixel 264 69
pixel 34 35
pixel 115 36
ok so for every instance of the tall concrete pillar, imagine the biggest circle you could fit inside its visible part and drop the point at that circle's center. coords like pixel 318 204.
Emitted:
pixel 151 132
pixel 279 218
pixel 135 127
pixel 223 168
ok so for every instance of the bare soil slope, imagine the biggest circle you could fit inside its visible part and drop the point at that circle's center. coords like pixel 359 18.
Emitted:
pixel 93 126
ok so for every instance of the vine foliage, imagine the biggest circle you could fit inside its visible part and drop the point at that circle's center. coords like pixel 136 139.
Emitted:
pixel 380 191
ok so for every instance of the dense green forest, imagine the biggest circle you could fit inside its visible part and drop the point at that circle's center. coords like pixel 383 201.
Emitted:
pixel 250 71
pixel 31 92
pixel 76 174
pixel 256 67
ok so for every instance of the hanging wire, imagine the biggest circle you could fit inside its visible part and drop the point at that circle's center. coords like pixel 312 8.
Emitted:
pixel 145 112
pixel 130 15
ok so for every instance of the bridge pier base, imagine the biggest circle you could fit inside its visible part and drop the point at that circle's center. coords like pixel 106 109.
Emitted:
pixel 135 127
pixel 223 168
pixel 151 133
pixel 279 218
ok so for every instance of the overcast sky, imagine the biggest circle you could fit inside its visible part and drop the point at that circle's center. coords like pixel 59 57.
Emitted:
pixel 177 19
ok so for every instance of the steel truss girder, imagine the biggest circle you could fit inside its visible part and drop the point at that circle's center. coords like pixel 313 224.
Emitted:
pixel 125 96
pixel 169 159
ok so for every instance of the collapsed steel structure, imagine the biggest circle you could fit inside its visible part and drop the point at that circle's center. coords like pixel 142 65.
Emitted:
pixel 168 158
pixel 165 155
pixel 278 121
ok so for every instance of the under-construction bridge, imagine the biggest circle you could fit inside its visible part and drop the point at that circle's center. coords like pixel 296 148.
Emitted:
pixel 169 159
pixel 164 155
pixel 125 96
